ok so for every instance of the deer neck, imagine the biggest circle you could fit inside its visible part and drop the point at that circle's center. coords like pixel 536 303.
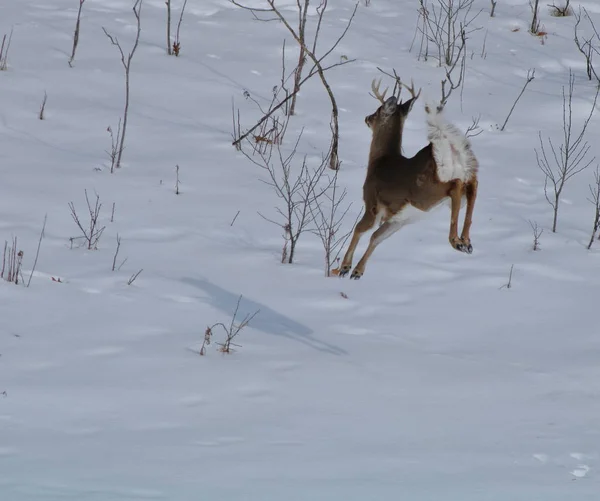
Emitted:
pixel 387 141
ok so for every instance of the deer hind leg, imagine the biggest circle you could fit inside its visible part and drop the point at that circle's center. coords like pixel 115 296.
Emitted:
pixel 471 194
pixel 365 224
pixel 386 230
pixel 455 194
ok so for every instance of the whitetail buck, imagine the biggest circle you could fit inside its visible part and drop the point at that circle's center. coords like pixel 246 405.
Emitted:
pixel 397 190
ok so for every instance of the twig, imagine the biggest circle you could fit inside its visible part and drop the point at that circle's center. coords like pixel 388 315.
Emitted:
pixel 235 217
pixel 43 107
pixel 133 277
pixel 116 252
pixel 76 34
pixel 37 253
pixel 474 129
pixel 3 52
pixel 530 77
pixel 177 43
pixel 508 285
pixel 168 4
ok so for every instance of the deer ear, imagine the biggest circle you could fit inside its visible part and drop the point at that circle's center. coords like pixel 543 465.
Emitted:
pixel 407 106
pixel 390 106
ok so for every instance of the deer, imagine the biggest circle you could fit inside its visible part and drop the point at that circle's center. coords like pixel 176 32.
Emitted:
pixel 399 190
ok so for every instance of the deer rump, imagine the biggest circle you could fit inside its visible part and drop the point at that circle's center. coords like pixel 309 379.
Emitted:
pixel 450 147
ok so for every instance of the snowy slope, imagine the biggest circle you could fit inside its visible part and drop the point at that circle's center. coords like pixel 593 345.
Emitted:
pixel 429 381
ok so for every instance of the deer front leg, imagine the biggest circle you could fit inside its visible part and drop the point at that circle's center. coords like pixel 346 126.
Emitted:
pixel 471 194
pixel 455 197
pixel 386 230
pixel 364 225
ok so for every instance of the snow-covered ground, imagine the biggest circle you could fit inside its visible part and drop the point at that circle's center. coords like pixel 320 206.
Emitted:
pixel 425 380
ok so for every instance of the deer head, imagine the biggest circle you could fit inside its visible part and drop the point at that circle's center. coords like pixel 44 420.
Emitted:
pixel 387 123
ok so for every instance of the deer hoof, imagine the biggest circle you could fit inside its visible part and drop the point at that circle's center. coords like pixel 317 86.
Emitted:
pixel 466 248
pixel 344 270
pixel 356 274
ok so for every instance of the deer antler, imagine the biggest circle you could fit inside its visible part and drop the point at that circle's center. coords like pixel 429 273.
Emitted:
pixel 377 94
pixel 410 89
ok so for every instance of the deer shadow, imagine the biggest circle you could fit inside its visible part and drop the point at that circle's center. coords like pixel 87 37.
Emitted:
pixel 267 320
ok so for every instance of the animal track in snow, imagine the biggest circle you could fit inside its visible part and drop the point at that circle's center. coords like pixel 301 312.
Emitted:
pixel 104 351
pixel 580 470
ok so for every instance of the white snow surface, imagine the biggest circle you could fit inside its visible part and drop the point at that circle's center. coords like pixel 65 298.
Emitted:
pixel 426 380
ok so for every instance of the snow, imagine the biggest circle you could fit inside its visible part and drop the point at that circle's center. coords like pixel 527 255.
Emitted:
pixel 425 380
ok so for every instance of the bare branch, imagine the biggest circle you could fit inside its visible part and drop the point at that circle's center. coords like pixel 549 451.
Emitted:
pixel 529 79
pixel 76 34
pixel 570 158
pixel 37 253
pixel 126 62
pixel 305 51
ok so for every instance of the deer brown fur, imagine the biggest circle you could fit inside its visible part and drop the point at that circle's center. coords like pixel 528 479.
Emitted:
pixel 397 189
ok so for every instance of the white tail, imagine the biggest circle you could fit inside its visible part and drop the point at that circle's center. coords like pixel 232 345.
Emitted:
pixel 451 148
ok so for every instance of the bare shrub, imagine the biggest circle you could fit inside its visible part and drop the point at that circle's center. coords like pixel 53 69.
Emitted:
pixel 537 233
pixel 12 260
pixel 445 26
pixel 231 331
pixel 328 215
pixel 307 50
pixel 126 62
pixel 272 130
pixel 76 33
pixel 92 231
pixel 296 184
pixel 493 9
pixel 570 158
pixel 561 10
pixel 589 45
